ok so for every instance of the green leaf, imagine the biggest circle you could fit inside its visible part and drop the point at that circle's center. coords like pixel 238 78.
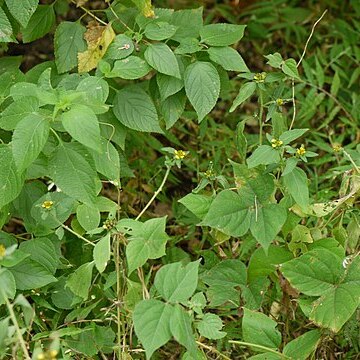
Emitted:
pixel 202 86
pixel 172 108
pixel 176 283
pixel 120 48
pixel 160 30
pixel 29 139
pixel 88 216
pixel 266 222
pixel 82 124
pixel 39 24
pixel 129 68
pixel 180 327
pixel 263 155
pixel 244 93
pixel 275 60
pixel 29 274
pixel 73 174
pixel 79 281
pixel 335 84
pixel 161 58
pixel 182 19
pixel 291 135
pixel 197 204
pixel 22 11
pixel 11 181
pixel 296 183
pixel 221 34
pixel 306 342
pixel 320 273
pixel 168 85
pixel 6 32
pixel 229 214
pixel 68 42
pixel 152 324
pixel 289 68
pixel 228 58
pixel 147 241
pixel 17 111
pixel 102 252
pixel 210 326
pixel 134 108
pixel 259 329
pixel 8 286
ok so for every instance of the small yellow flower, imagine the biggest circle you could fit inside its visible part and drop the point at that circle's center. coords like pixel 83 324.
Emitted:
pixel 337 147
pixel 301 150
pixel 2 251
pixel 47 204
pixel 53 354
pixel 179 154
pixel 279 102
pixel 260 77
pixel 41 356
pixel 276 143
pixel 209 174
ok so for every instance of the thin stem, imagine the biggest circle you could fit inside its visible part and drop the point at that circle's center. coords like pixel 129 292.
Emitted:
pixel 90 13
pixel 242 343
pixel 156 193
pixel 118 297
pixel 352 161
pixel 16 325
pixel 261 116
pixel 212 349
pixel 293 103
pixel 76 234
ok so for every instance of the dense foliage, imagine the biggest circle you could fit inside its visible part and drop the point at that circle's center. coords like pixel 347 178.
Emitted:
pixel 163 196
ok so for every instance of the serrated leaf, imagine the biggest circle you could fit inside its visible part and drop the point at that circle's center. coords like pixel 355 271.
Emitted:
pixel 82 124
pixel 29 139
pixel 291 135
pixel 221 34
pixel 176 283
pixel 68 42
pixel 130 68
pixel 161 58
pixel 244 93
pixel 263 155
pixel 289 68
pixel 168 85
pixel 102 253
pixel 120 48
pixel 6 31
pixel 160 30
pixel 152 324
pixel 39 24
pixel 182 19
pixel 145 7
pixel 8 285
pixel 134 108
pixel 306 342
pixel 210 326
pixel 228 58
pixel 197 204
pixel 79 281
pixel 172 108
pixel 202 86
pixel 296 183
pixel 275 60
pixel 23 11
pixel 88 216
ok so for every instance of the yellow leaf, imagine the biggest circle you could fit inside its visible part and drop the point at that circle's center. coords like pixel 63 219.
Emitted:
pixel 145 7
pixel 98 39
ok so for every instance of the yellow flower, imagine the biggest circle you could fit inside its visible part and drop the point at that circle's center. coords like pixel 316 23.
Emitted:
pixel 260 77
pixel 275 143
pixel 53 354
pixel 2 251
pixel 301 151
pixel 47 204
pixel 179 154
pixel 337 147
pixel 279 102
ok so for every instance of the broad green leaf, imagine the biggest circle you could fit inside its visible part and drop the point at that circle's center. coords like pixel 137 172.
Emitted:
pixel 306 342
pixel 101 253
pixel 73 174
pixel 68 42
pixel 228 58
pixel 121 47
pixel 291 135
pixel 17 111
pixel 180 327
pixel 197 204
pixel 79 281
pixel 168 85
pixel 202 86
pixel 8 286
pixel 266 222
pixel 321 273
pixel 183 18
pixel 88 216
pixel 244 93
pixel 176 283
pixel 161 58
pixel 210 326
pixel 39 24
pixel 152 324
pixel 95 90
pixel 82 124
pixel 275 60
pixel 29 139
pixel 29 274
pixel 43 251
pixel 6 31
pixel 296 183
pixel 219 295
pixel 263 155
pixel 22 11
pixel 160 30
pixel 221 34
pixel 147 241
pixel 172 108
pixel 11 181
pixel 289 68
pixel 229 214
pixel 129 68
pixel 259 329
pixel 253 293
pixel 188 46
pixel 134 108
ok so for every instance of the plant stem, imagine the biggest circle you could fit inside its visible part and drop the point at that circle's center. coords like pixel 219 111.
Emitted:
pixel 352 161
pixel 77 235
pixel 242 343
pixel 261 116
pixel 212 349
pixel 90 13
pixel 118 297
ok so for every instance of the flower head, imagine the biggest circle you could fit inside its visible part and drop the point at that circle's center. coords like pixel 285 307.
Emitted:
pixel 279 102
pixel 47 204
pixel 260 77
pixel 301 151
pixel 276 143
pixel 337 147
pixel 2 251
pixel 179 154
